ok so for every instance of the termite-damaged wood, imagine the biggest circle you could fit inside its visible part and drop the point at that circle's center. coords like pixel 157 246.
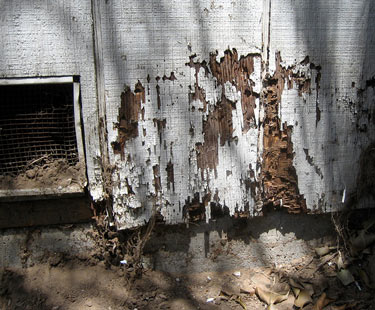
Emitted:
pixel 171 77
pixel 237 72
pixel 272 180
pixel 157 182
pixel 160 123
pixel 278 175
pixel 218 123
pixel 195 210
pixel 128 117
pixel 158 96
pixel 198 93
pixel 310 160
pixel 170 175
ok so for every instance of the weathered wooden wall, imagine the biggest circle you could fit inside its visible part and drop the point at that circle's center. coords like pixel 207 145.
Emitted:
pixel 334 123
pixel 208 107
pixel 178 135
pixel 44 38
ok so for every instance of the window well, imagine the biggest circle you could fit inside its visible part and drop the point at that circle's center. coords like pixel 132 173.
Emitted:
pixel 41 149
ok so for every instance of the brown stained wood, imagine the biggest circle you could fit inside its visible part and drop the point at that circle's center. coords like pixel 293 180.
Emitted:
pixel 171 77
pixel 44 212
pixel 218 123
pixel 278 174
pixel 128 117
pixel 157 181
pixel 198 93
pixel 195 210
pixel 237 71
pixel 170 175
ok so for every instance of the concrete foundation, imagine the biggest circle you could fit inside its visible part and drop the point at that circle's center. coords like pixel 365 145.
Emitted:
pixel 225 244
pixel 28 246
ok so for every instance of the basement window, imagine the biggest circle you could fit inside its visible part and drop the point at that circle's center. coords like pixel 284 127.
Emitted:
pixel 41 148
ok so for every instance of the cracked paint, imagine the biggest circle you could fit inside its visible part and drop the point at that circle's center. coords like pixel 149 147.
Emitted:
pixel 223 104
pixel 206 127
pixel 244 131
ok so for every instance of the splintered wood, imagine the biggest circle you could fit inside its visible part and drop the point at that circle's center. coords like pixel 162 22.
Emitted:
pixel 224 103
pixel 213 119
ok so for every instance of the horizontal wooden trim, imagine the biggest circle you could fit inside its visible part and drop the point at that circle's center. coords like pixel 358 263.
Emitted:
pixel 45 212
pixel 36 80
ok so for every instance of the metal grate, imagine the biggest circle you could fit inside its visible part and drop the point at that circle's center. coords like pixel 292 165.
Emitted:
pixel 36 122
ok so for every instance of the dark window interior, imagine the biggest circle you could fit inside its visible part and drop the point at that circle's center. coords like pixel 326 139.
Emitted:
pixel 36 121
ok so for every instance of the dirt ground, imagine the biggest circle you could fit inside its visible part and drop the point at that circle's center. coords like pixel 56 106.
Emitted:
pixel 48 173
pixel 337 275
pixel 73 284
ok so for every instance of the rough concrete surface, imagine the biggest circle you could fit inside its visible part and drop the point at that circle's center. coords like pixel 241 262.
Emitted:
pixel 27 246
pixel 225 244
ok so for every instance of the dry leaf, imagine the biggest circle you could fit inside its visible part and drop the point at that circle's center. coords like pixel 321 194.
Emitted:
pixel 341 307
pixel 281 288
pixel 279 298
pixel 303 298
pixel 362 241
pixel 364 277
pixel 345 276
pixel 270 297
pixel 246 290
pixel 239 301
pixel 322 301
pixel 296 284
pixel 296 291
pixel 309 288
pixel 340 262
pixel 322 251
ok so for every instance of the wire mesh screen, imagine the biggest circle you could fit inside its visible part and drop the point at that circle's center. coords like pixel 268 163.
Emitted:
pixel 36 122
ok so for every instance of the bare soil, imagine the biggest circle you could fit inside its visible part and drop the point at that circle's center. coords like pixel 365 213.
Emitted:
pixel 46 174
pixel 73 284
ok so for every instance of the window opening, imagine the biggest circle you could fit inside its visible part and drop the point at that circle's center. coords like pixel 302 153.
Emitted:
pixel 40 136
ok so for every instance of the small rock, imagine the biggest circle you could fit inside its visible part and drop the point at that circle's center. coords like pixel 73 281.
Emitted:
pixel 237 274
pixel 30 173
pixel 162 296
pixel 210 300
pixel 55 260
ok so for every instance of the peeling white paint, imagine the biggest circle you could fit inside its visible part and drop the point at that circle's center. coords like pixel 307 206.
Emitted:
pixel 52 39
pixel 148 43
pixel 335 36
pixel 157 42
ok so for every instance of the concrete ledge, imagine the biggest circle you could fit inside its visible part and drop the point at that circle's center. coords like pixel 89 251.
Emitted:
pixel 28 246
pixel 225 244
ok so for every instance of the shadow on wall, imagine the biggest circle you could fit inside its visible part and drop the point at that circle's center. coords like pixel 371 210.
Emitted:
pixel 325 30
